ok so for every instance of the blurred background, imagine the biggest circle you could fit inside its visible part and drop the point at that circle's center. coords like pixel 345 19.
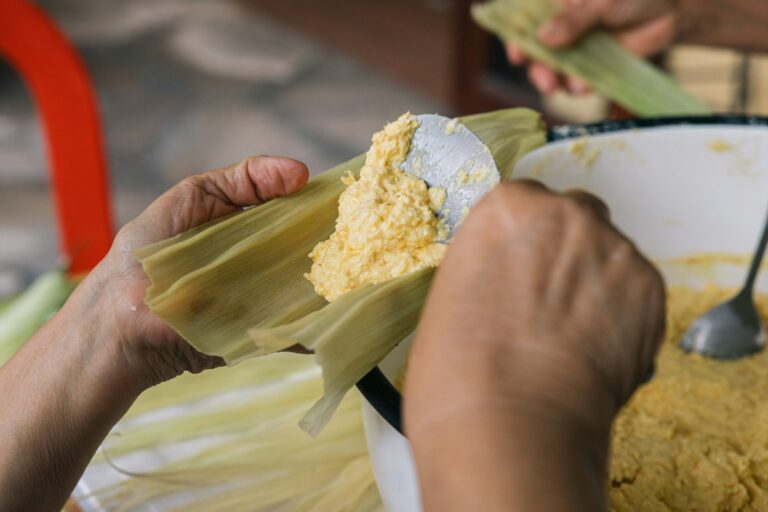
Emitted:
pixel 189 85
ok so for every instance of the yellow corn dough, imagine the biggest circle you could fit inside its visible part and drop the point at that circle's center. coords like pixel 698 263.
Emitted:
pixel 696 437
pixel 387 225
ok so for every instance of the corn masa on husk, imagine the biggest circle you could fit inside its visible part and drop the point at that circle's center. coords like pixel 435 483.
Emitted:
pixel 236 288
pixel 597 58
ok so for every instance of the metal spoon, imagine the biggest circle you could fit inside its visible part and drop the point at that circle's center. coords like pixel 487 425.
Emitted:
pixel 733 329
pixel 445 153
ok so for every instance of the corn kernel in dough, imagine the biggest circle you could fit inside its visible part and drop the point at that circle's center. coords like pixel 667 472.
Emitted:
pixel 387 225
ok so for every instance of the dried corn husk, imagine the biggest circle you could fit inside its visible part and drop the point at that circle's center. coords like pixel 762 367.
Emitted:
pixel 236 288
pixel 597 58
pixel 26 313
pixel 230 441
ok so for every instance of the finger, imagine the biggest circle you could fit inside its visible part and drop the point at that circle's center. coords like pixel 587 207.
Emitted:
pixel 531 184
pixel 576 85
pixel 593 202
pixel 566 27
pixel 515 54
pixel 650 38
pixel 544 78
pixel 254 180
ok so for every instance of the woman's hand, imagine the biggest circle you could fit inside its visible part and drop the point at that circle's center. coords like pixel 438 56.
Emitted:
pixel 69 384
pixel 542 321
pixel 644 27
pixel 147 340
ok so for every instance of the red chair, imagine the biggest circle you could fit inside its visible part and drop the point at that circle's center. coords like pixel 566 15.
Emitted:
pixel 63 94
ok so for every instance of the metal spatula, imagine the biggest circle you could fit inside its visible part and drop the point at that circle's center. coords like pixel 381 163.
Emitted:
pixel 444 153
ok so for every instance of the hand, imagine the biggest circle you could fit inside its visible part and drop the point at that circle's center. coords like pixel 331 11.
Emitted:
pixel 541 322
pixel 72 381
pixel 147 341
pixel 644 27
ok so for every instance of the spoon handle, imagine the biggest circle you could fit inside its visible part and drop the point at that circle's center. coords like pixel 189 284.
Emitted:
pixel 756 261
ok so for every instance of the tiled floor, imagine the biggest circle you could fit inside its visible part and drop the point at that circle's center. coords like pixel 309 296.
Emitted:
pixel 185 85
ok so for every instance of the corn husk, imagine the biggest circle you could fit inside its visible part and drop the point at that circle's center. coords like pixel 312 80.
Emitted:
pixel 229 441
pixel 236 288
pixel 334 333
pixel 26 313
pixel 5 302
pixel 597 58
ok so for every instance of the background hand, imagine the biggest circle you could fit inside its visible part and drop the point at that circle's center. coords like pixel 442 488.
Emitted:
pixel 541 322
pixel 644 27
pixel 146 339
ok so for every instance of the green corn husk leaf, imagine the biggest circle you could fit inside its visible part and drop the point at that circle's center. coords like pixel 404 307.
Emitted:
pixel 230 441
pixel 334 333
pixel 5 302
pixel 213 285
pixel 236 288
pixel 26 313
pixel 597 58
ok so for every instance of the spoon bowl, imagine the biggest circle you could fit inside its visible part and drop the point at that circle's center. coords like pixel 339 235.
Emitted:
pixel 733 329
pixel 729 331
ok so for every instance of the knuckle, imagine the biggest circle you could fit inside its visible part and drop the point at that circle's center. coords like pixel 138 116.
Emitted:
pixel 575 208
pixel 587 205
pixel 626 254
pixel 193 181
pixel 498 201
pixel 502 194
pixel 646 273
pixel 579 216
pixel 590 201
pixel 517 198
pixel 526 184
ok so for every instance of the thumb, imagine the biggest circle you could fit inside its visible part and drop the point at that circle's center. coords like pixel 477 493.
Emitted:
pixel 254 181
pixel 208 196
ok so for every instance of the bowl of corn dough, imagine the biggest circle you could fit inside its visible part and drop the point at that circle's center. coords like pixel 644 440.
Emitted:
pixel 692 194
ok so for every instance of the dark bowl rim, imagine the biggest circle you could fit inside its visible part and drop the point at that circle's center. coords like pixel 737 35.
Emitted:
pixel 570 131
pixel 376 388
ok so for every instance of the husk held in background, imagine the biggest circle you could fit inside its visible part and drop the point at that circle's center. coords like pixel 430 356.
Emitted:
pixel 596 58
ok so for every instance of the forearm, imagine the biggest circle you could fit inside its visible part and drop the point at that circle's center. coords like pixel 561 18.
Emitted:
pixel 507 434
pixel 61 394
pixel 737 24
pixel 506 462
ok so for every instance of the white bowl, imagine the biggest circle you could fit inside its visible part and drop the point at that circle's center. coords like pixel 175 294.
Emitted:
pixel 675 190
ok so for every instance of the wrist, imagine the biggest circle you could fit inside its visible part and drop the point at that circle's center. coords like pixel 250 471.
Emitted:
pixel 88 326
pixel 526 380
pixel 558 464
pixel 72 374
